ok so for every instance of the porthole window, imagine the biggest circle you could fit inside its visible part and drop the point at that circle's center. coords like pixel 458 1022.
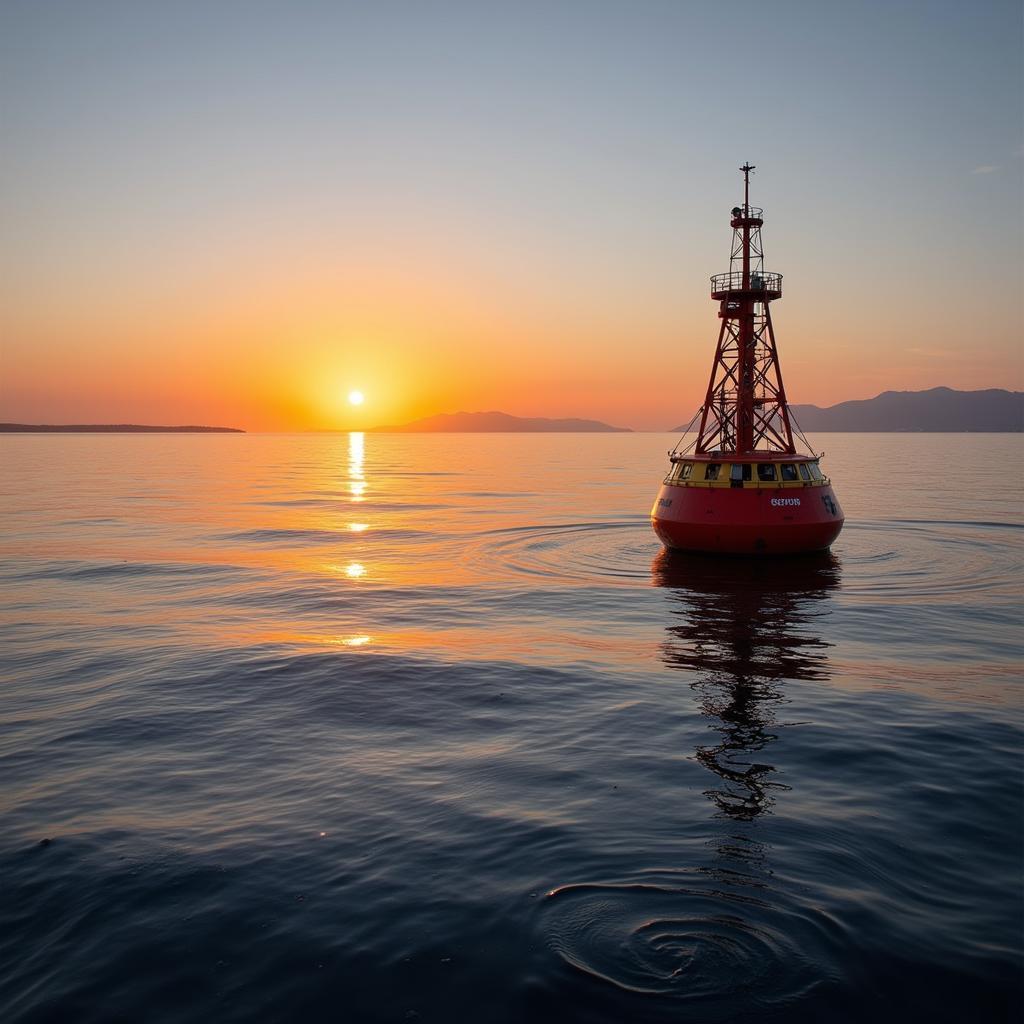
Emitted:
pixel 765 471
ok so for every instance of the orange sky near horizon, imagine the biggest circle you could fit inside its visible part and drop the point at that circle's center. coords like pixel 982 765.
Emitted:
pixel 529 229
pixel 273 349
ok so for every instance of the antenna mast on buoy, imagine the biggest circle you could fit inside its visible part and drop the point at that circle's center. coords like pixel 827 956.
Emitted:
pixel 745 406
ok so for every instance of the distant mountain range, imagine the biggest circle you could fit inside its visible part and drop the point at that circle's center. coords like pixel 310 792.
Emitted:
pixel 108 428
pixel 498 422
pixel 938 410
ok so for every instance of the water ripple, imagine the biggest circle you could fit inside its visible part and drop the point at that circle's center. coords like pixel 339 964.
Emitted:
pixel 908 559
pixel 694 939
pixel 615 551
pixel 929 558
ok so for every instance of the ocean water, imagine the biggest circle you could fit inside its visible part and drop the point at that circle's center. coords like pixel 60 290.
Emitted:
pixel 390 728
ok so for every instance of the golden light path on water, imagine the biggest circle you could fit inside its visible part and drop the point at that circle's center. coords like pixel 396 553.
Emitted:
pixel 357 489
pixel 356 457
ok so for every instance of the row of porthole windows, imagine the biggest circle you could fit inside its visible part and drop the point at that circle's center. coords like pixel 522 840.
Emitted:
pixel 738 472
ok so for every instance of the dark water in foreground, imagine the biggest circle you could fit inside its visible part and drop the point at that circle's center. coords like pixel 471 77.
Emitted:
pixel 429 728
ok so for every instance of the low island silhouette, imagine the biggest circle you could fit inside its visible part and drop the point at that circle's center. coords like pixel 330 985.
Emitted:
pixel 109 428
pixel 499 422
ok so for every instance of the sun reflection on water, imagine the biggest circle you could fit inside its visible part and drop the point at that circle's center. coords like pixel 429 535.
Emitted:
pixel 356 455
pixel 356 641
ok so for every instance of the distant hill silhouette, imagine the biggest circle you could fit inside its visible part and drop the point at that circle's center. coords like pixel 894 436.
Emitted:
pixel 498 422
pixel 108 428
pixel 937 410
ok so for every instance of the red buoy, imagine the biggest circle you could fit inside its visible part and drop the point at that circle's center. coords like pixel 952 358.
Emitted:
pixel 741 487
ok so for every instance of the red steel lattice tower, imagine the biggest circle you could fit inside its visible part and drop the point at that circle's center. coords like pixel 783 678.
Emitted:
pixel 745 407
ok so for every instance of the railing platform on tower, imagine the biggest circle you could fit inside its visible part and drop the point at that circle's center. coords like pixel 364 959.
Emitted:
pixel 751 215
pixel 763 285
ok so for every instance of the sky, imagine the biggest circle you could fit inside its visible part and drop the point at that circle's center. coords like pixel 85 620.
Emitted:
pixel 236 213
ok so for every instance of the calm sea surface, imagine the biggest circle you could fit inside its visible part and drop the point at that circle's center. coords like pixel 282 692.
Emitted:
pixel 389 728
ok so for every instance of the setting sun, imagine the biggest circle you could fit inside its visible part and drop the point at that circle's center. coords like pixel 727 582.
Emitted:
pixel 355 398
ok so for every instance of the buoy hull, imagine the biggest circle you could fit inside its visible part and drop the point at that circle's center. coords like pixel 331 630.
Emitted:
pixel 747 520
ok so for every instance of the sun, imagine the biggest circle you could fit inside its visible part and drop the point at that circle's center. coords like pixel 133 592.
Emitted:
pixel 355 398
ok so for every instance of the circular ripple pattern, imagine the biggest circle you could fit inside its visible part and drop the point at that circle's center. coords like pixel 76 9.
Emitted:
pixel 928 559
pixel 618 551
pixel 716 948
pixel 910 559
